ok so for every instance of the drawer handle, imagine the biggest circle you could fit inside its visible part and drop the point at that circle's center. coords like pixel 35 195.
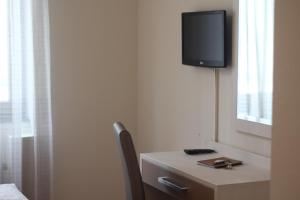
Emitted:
pixel 172 184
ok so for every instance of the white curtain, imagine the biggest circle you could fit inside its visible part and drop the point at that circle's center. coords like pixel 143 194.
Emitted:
pixel 25 92
pixel 255 60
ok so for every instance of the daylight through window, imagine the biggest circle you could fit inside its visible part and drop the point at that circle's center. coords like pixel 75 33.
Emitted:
pixel 255 60
pixel 4 69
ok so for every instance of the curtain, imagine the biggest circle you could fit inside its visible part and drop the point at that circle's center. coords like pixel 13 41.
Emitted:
pixel 25 106
pixel 255 60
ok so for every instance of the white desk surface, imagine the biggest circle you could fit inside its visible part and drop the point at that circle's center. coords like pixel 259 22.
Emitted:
pixel 10 192
pixel 186 165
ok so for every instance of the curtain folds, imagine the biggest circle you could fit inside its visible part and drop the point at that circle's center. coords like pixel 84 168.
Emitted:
pixel 255 60
pixel 27 110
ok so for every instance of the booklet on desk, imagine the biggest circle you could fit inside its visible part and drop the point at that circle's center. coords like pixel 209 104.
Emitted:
pixel 219 162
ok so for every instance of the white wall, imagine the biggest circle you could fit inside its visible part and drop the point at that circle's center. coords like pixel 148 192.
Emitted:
pixel 94 59
pixel 286 127
pixel 93 47
pixel 176 102
pixel 228 133
pixel 28 167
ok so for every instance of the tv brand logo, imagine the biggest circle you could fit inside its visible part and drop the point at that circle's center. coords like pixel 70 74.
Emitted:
pixel 201 62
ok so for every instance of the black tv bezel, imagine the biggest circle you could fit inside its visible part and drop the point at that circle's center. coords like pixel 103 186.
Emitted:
pixel 205 63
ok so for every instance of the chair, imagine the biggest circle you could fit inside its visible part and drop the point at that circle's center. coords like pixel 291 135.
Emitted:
pixel 132 174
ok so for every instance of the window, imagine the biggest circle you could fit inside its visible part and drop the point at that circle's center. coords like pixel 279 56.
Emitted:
pixel 16 65
pixel 4 69
pixel 5 104
pixel 25 106
pixel 255 63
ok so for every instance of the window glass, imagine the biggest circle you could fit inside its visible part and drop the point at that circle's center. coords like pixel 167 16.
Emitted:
pixel 4 69
pixel 255 60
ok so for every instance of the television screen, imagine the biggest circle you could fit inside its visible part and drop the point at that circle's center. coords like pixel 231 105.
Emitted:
pixel 203 38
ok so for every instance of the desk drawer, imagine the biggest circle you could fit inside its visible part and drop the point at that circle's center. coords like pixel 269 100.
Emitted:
pixel 175 185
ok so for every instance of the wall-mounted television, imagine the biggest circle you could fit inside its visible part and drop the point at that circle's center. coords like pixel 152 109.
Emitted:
pixel 203 38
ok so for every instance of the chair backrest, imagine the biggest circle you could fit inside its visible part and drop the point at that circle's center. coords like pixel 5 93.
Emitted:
pixel 132 174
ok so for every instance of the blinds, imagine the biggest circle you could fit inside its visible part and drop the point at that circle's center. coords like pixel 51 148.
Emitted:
pixel 255 60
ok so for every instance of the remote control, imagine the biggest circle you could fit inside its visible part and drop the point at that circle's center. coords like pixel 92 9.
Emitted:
pixel 198 151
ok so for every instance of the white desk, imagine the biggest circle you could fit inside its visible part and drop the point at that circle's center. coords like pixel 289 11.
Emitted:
pixel 245 182
pixel 10 192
